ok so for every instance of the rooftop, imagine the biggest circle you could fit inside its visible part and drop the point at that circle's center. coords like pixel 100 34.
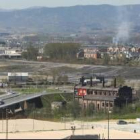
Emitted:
pixel 99 88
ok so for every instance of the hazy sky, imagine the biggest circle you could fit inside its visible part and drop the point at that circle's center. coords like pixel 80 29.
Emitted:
pixel 18 4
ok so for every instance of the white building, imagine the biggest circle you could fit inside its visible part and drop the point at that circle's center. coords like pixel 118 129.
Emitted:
pixel 17 77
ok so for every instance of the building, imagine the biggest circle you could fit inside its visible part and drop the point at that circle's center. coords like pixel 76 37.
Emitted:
pixel 17 77
pixel 93 55
pixel 83 137
pixel 56 105
pixel 80 54
pixel 102 98
pixel 6 52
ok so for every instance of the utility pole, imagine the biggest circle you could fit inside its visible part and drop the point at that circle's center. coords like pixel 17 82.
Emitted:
pixel 108 123
pixel 2 120
pixel 33 119
pixel 6 124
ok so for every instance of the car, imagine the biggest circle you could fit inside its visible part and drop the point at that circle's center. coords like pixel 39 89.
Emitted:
pixel 9 92
pixel 1 102
pixel 121 122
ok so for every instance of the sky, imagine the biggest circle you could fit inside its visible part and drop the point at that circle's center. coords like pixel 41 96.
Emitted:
pixel 21 4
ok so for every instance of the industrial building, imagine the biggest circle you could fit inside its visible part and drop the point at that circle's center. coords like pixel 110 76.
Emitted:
pixel 102 98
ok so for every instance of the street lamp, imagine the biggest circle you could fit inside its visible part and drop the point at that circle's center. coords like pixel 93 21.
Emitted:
pixel 2 119
pixel 108 122
pixel 73 129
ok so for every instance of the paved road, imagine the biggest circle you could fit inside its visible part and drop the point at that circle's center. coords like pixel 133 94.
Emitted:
pixel 12 99
pixel 115 126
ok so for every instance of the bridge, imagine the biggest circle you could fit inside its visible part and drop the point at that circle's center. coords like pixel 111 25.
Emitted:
pixel 16 101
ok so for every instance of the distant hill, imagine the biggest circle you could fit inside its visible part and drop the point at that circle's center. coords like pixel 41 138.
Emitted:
pixel 70 19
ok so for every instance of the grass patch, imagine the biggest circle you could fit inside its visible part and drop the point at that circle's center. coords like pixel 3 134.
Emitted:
pixel 34 90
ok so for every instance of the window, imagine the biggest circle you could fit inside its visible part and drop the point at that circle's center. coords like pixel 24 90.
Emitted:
pixel 103 104
pixel 111 105
pixel 88 91
pixel 106 104
pixel 95 92
pixel 113 93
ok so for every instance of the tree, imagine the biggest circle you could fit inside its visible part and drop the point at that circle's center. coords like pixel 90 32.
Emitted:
pixel 59 79
pixel 31 53
pixel 106 59
pixel 90 109
pixel 65 79
pixel 54 75
pixel 61 51
pixel 120 80
pixel 75 108
pixel 124 59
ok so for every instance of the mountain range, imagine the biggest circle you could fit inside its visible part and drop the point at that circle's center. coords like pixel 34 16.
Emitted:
pixel 70 19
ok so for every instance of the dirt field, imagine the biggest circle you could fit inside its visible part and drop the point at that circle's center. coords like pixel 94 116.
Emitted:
pixel 114 134
pixel 34 129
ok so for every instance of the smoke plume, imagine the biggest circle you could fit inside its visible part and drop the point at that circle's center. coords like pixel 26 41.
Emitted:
pixel 124 26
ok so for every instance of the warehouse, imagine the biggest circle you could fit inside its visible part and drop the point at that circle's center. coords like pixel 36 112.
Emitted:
pixel 102 98
pixel 17 77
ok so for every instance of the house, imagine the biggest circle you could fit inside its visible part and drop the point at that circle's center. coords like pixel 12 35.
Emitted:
pixel 88 53
pixel 80 54
pixel 86 50
pixel 110 49
pixel 131 55
pixel 39 58
pixel 10 53
pixel 122 49
pixel 57 105
pixel 133 49
pixel 93 55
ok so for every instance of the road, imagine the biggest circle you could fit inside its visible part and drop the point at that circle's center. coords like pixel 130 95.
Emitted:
pixel 18 98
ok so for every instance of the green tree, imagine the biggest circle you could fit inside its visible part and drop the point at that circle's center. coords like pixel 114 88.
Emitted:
pixel 106 59
pixel 31 53
pixel 61 51
pixel 120 81
pixel 65 79
pixel 90 109
pixel 54 74
pixel 59 79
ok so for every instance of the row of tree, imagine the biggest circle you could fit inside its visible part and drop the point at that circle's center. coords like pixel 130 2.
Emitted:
pixel 66 52
pixel 61 51
pixel 57 51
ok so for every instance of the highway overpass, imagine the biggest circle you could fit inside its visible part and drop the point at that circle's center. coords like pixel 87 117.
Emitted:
pixel 16 101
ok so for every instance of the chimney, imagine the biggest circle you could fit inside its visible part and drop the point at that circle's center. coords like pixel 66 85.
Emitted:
pixel 82 80
pixel 115 83
pixel 103 81
pixel 91 84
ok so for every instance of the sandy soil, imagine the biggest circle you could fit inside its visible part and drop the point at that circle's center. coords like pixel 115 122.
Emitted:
pixel 35 129
pixel 114 134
